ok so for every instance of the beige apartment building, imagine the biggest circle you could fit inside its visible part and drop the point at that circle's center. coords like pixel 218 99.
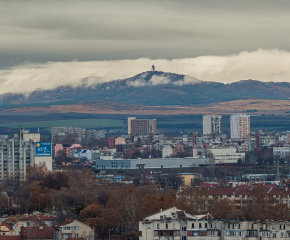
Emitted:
pixel 176 224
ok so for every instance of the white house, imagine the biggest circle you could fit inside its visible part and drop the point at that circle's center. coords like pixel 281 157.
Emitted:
pixel 167 151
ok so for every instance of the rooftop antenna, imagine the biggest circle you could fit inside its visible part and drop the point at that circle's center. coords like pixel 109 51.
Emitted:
pixel 153 68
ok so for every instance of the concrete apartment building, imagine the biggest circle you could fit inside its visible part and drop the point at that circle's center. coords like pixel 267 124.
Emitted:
pixel 141 126
pixel 62 132
pixel 240 126
pixel 93 134
pixel 16 155
pixel 176 224
pixel 212 124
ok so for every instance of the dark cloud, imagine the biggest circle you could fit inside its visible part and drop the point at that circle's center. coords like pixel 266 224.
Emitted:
pixel 102 30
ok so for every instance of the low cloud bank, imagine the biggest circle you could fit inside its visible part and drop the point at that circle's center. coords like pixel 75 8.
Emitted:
pixel 263 65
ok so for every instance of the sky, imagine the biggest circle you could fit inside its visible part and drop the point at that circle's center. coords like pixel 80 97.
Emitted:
pixel 45 44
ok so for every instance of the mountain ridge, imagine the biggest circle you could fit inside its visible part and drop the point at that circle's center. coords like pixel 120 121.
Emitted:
pixel 154 89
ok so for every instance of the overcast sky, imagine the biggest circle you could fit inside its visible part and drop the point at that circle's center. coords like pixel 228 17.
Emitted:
pixel 62 31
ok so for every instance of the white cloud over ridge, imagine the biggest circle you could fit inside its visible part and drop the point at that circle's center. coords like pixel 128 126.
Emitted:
pixel 262 64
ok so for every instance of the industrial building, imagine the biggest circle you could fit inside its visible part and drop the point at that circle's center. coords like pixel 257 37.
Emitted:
pixel 149 163
pixel 212 124
pixel 240 126
pixel 141 126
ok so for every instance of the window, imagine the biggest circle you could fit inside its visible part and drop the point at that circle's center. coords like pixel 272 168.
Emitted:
pixel 173 225
pixel 200 225
pixel 148 226
pixel 27 224
pixel 166 225
pixel 183 229
pixel 283 234
pixel 76 235
pixel 192 225
pixel 183 237
pixel 233 226
pixel 273 226
pixel 76 228
pixel 274 235
pixel 265 234
pixel 140 233
pixel 239 226
pixel 284 227
pixel 65 236
pixel 205 225
pixel 66 228
pixel 158 226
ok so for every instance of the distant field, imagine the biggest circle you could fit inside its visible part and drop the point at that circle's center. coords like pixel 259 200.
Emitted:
pixel 118 122
pixel 84 123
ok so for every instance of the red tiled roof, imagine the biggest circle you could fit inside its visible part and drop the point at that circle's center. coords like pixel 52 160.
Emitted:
pixel 39 217
pixel 58 225
pixel 10 227
pixel 271 189
pixel 10 237
pixel 37 233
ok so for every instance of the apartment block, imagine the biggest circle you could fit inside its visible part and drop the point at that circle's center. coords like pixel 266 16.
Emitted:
pixel 176 224
pixel 17 154
pixel 62 132
pixel 240 126
pixel 212 124
pixel 93 134
pixel 142 126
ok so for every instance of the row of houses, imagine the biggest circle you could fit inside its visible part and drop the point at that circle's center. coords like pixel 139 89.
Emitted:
pixel 45 226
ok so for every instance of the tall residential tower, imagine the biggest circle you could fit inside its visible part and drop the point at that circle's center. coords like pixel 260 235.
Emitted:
pixel 240 126
pixel 212 124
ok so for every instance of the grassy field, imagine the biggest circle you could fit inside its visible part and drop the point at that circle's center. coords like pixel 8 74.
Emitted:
pixel 84 123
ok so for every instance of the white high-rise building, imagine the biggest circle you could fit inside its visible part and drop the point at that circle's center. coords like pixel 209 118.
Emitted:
pixel 240 126
pixel 212 124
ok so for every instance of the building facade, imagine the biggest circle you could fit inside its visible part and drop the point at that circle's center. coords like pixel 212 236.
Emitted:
pixel 212 124
pixel 240 126
pixel 17 154
pixel 178 225
pixel 142 126
pixel 73 229
pixel 62 132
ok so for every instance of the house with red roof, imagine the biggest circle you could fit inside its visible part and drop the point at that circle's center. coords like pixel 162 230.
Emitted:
pixel 72 228
pixel 9 229
pixel 40 219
